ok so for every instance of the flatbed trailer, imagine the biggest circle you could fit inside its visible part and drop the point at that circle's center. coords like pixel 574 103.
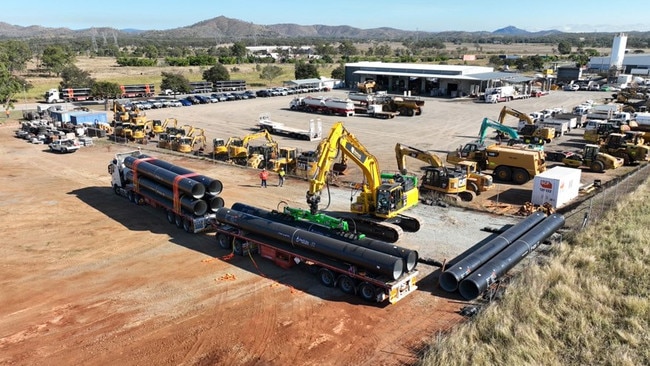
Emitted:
pixel 331 271
pixel 314 133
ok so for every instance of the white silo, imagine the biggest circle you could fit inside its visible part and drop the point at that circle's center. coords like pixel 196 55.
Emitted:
pixel 618 52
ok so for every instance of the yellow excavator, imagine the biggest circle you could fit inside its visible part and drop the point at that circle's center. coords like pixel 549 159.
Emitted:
pixel 238 147
pixel 453 182
pixel 383 197
pixel 529 133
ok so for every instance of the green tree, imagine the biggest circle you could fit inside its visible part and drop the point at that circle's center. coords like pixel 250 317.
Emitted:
pixel 216 73
pixel 339 72
pixel 305 70
pixel 74 77
pixel 324 49
pixel 175 82
pixel 564 47
pixel 238 49
pixel 10 86
pixel 105 89
pixel 270 73
pixel 383 50
pixel 56 58
pixel 15 54
pixel 347 49
pixel 151 51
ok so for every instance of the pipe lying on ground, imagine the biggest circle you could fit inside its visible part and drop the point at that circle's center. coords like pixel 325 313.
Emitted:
pixel 161 175
pixel 410 257
pixel 472 286
pixel 376 262
pixel 212 186
pixel 195 206
pixel 450 278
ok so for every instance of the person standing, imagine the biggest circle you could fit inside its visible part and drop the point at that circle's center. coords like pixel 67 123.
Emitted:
pixel 264 175
pixel 281 175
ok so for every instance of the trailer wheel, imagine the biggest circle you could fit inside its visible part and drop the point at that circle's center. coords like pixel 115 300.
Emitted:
pixel 503 173
pixel 367 292
pixel 178 220
pixel 170 216
pixel 224 241
pixel 238 246
pixel 326 277
pixel 520 176
pixel 346 284
pixel 187 225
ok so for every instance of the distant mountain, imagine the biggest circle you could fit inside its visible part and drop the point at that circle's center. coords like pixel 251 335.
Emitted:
pixel 230 29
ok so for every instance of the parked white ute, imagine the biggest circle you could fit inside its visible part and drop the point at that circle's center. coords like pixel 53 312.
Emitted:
pixel 64 146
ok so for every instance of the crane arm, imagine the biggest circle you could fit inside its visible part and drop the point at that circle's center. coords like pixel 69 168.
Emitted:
pixel 341 141
pixel 515 113
pixel 488 123
pixel 402 151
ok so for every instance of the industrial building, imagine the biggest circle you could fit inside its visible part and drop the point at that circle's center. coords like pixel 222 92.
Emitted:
pixel 619 62
pixel 430 80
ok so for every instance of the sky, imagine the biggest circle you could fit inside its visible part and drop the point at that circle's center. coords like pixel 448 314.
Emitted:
pixel 412 15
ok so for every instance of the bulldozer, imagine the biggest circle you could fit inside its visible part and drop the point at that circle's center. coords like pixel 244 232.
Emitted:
pixel 367 87
pixel 593 159
pixel 627 148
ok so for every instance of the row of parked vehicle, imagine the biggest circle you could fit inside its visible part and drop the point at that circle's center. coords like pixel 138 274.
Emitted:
pixel 274 92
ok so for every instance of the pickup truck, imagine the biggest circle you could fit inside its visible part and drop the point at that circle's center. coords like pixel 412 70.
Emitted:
pixel 64 146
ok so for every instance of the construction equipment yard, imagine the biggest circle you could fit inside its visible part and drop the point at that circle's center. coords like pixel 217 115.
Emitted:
pixel 88 277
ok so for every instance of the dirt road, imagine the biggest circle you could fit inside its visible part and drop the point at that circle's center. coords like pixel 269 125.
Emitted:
pixel 88 278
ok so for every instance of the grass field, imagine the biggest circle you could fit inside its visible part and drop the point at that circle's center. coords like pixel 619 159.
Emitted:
pixel 588 304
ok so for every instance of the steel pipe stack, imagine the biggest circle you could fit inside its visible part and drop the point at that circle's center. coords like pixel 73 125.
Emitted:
pixel 169 178
pixel 410 257
pixel 194 206
pixel 212 186
pixel 450 278
pixel 472 286
pixel 371 260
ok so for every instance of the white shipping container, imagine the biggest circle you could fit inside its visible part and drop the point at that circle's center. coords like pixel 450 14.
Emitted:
pixel 557 186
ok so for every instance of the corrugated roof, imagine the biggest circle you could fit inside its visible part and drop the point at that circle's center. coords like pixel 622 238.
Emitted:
pixel 414 74
pixel 504 76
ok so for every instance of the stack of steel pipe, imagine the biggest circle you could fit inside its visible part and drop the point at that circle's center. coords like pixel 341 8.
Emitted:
pixel 410 257
pixel 476 283
pixel 450 278
pixel 156 180
pixel 364 258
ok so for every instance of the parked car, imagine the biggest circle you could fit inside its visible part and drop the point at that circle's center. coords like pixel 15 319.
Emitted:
pixel 219 96
pixel 230 96
pixel 185 102
pixel 571 87
pixel 202 99
pixel 155 103
pixel 193 99
pixel 250 94
pixel 241 95
pixel 175 103
pixel 264 93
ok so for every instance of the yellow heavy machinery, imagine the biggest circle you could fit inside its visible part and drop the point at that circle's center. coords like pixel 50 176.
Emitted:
pixel 219 149
pixel 188 142
pixel 628 146
pixel 516 164
pixel 529 133
pixel 378 209
pixel 454 182
pixel 367 86
pixel 593 159
pixel 171 135
pixel 238 147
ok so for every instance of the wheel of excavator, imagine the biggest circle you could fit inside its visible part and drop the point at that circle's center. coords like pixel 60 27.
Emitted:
pixel 467 196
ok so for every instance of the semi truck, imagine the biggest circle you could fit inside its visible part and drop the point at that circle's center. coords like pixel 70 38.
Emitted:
pixel 188 199
pixel 67 95
pixel 503 94
pixel 374 270
pixel 323 105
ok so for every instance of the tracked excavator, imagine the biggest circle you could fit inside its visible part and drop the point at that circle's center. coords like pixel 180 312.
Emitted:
pixel 383 197
pixel 451 182
pixel 529 133
pixel 238 148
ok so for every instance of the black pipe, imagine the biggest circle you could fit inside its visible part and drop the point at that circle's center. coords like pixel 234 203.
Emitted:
pixel 212 186
pixel 410 257
pixel 198 209
pixel 185 185
pixel 373 261
pixel 195 206
pixel 472 286
pixel 214 202
pixel 450 278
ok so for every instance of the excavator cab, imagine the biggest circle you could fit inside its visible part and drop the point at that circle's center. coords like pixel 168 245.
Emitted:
pixel 390 198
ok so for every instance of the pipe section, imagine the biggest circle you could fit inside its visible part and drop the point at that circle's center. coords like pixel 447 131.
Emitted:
pixel 472 286
pixel 161 175
pixel 450 278
pixel 214 203
pixel 212 186
pixel 410 257
pixel 195 206
pixel 376 262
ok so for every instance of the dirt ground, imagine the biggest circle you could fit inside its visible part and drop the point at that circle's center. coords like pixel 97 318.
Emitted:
pixel 89 278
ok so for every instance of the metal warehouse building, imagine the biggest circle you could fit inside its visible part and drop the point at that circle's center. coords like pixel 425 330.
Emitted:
pixel 429 80
pixel 632 64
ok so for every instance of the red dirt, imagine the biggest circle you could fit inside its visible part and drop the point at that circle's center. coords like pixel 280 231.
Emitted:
pixel 88 278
